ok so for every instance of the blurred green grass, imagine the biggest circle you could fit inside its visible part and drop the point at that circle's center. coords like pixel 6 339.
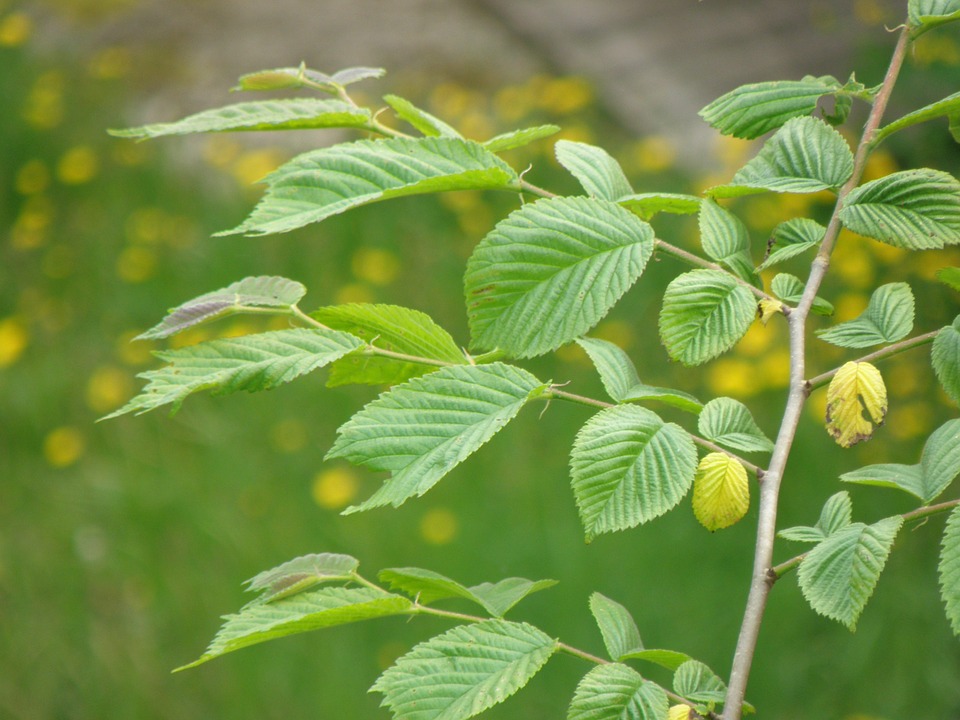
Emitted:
pixel 121 543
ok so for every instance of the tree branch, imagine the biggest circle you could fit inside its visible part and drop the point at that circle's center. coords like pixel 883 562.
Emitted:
pixel 883 353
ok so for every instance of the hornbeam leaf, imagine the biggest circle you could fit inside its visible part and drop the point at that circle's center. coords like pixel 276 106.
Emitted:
pixel 667 396
pixel 927 14
pixel 856 402
pixel 464 671
pixel 646 205
pixel 834 517
pixel 695 681
pixel 950 570
pixel 421 430
pixel 599 174
pixel 297 77
pixel 325 607
pixel 839 575
pixel 318 184
pixel 291 114
pixel 911 209
pixel 550 271
pixel 669 659
pixel 792 238
pixel 617 692
pixel 729 422
pixel 749 111
pixel 388 327
pixel 721 492
pixel 628 467
pixel 420 119
pixel 301 573
pixel 950 105
pixel 949 276
pixel 724 238
pixel 945 357
pixel 704 314
pixel 617 626
pixel 806 155
pixel 496 598
pixel 252 363
pixel 788 288
pixel 939 466
pixel 251 292
pixel 519 138
pixel 888 318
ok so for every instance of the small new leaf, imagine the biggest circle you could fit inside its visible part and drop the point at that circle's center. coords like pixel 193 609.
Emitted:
pixel 792 238
pixel 695 681
pixel 628 467
pixel 420 119
pixel 721 492
pixel 617 692
pixel 836 514
pixel 620 634
pixel 704 314
pixel 945 357
pixel 730 423
pixel 856 403
pixel 464 671
pixel 950 570
pixel 839 575
pixel 646 205
pixel 519 138
pixel 888 318
pixel 421 430
pixel 724 238
pixel 789 288
pixel 302 573
pixel 950 105
pixel 251 292
pixel 598 172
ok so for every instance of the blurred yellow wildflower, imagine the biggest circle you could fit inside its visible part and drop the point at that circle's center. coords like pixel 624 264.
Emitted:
pixel 733 377
pixel 136 264
pixel 354 293
pixel 476 125
pixel 512 103
pixel 853 263
pixel 909 421
pixel 78 165
pixel 652 154
pixel 253 165
pixel 110 63
pixel 618 332
pixel 565 95
pixel 289 435
pixel 936 48
pixel 905 378
pixel 438 526
pixel 334 488
pixel 375 266
pixel 63 446
pixel 773 369
pixel 849 305
pixel 880 164
pixel 144 225
pixel 129 154
pixel 133 353
pixel 757 340
pixel 13 340
pixel 43 108
pixel 871 12
pixel 108 388
pixel 15 29
pixel 32 178
pixel 451 101
pixel 577 132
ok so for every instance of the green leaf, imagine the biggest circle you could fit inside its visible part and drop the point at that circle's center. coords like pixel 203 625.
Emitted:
pixel 318 184
pixel 301 573
pixel 464 671
pixel 519 138
pixel 550 271
pixel 792 238
pixel 950 570
pixel 939 466
pixel 420 119
pixel 628 467
pixel 292 114
pixel 888 318
pixel 724 238
pixel 669 659
pixel 428 587
pixel 789 288
pixel 839 575
pixel 806 155
pixel 949 276
pixel 646 205
pixel 704 314
pixel 695 681
pixel 617 692
pixel 912 209
pixel 950 105
pixel 729 422
pixel 388 327
pixel 617 626
pixel 252 363
pixel 836 514
pixel 620 379
pixel 927 14
pixel 421 430
pixel 325 607
pixel 749 111
pixel 599 174
pixel 945 357
pixel 302 76
pixel 238 297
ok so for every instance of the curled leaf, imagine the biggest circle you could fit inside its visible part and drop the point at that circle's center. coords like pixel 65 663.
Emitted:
pixel 856 403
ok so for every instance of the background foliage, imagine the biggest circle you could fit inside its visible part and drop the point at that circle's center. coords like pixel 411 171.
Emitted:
pixel 121 543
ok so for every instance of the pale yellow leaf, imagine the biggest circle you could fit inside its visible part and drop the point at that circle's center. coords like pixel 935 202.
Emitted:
pixel 721 492
pixel 769 308
pixel 679 712
pixel 856 403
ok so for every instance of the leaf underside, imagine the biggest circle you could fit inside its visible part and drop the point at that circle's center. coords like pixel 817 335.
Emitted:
pixel 617 692
pixel 949 569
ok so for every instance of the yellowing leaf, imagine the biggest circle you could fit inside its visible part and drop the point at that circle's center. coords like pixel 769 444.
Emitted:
pixel 679 712
pixel 769 308
pixel 721 492
pixel 856 402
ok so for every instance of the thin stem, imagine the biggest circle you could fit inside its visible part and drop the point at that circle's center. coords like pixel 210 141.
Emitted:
pixel 889 351
pixel 374 350
pixel 761 581
pixel 697 261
